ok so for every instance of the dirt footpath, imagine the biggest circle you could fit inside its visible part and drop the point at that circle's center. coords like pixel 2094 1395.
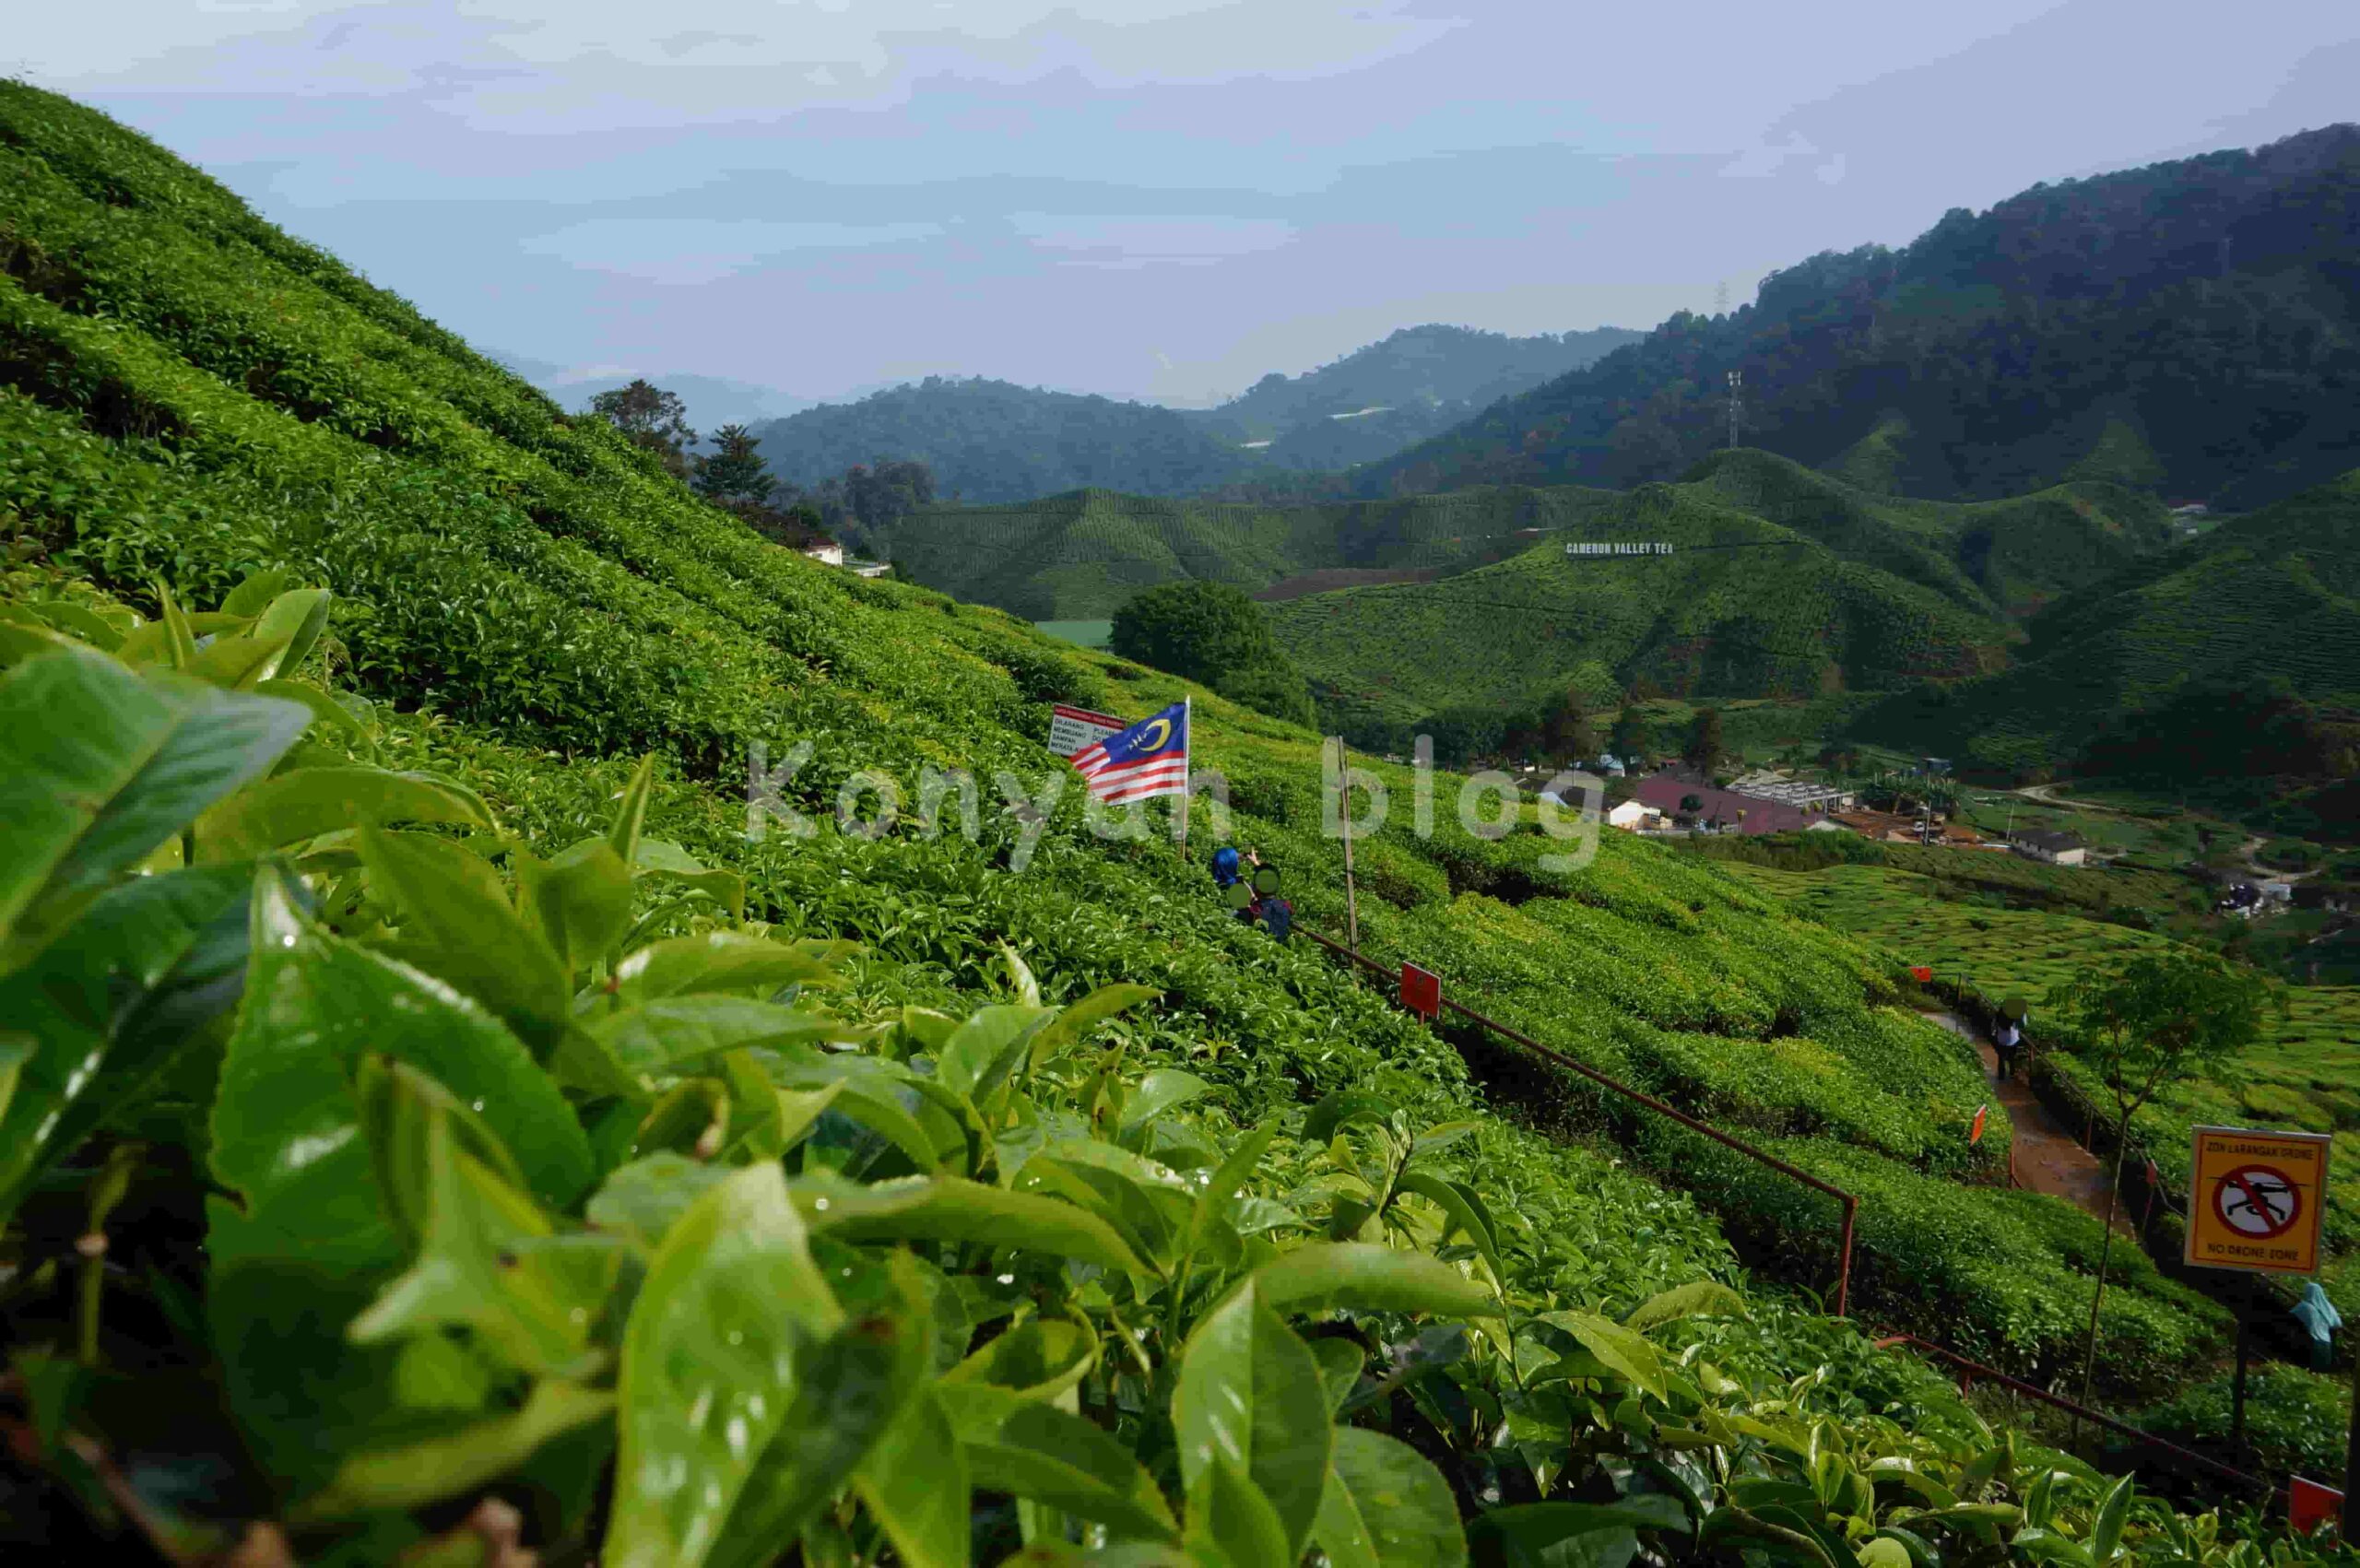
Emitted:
pixel 2047 1157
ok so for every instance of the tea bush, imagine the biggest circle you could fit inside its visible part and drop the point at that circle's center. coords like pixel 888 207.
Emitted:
pixel 552 1200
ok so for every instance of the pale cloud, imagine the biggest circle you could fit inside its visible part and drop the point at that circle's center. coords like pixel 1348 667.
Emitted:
pixel 1138 196
pixel 689 251
pixel 1133 243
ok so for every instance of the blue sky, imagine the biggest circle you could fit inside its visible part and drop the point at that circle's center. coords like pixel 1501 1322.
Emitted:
pixel 1144 198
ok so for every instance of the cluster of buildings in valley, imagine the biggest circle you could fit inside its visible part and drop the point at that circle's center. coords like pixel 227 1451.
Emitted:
pixel 1677 800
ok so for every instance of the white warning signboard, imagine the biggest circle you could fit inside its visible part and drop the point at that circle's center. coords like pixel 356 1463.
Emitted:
pixel 1072 729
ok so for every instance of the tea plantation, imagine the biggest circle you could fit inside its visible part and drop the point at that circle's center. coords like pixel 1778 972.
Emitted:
pixel 2304 1073
pixel 1079 555
pixel 1783 583
pixel 437 1114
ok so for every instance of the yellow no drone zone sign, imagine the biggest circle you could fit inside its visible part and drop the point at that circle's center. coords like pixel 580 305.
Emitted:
pixel 2256 1200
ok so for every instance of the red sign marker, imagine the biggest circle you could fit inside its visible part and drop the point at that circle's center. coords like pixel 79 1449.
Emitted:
pixel 2310 1504
pixel 1975 1133
pixel 1421 990
pixel 1921 974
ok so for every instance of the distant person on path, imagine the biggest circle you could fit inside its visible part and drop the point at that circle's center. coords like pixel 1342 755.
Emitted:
pixel 2005 1044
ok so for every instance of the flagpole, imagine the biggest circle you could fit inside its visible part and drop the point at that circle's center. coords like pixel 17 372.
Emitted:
pixel 1344 819
pixel 1188 761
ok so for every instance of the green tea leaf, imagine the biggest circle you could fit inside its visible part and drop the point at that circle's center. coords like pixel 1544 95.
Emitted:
pixel 1250 1395
pixel 1159 1091
pixel 314 1004
pixel 1041 1453
pixel 150 971
pixel 419 1473
pixel 951 1208
pixel 1036 1359
pixel 723 1349
pixel 1368 1278
pixel 631 812
pixel 489 1260
pixel 104 765
pixel 983 1050
pixel 581 900
pixel 1077 1019
pixel 1558 1535
pixel 456 921
pixel 251 597
pixel 297 617
pixel 308 802
pixel 642 1199
pixel 1630 1357
pixel 1386 1506
pixel 717 960
pixel 1339 1109
pixel 1231 1523
pixel 915 1484
pixel 1699 1298
pixel 236 663
pixel 1340 1365
pixel 674 1033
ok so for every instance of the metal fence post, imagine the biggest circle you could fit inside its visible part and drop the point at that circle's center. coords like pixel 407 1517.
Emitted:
pixel 1843 1269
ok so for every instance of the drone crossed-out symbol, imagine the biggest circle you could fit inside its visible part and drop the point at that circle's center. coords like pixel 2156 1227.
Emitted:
pixel 2256 1200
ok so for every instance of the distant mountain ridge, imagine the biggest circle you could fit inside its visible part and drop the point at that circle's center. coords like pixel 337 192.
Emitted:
pixel 2191 327
pixel 712 401
pixel 992 442
pixel 1388 396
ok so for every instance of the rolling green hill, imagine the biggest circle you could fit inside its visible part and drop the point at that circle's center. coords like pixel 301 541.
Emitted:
pixel 1078 557
pixel 2191 327
pixel 371 1257
pixel 1784 583
pixel 2274 595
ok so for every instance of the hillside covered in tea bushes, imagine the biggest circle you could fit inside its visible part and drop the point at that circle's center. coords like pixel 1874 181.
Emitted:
pixel 1079 556
pixel 2269 599
pixel 1781 583
pixel 467 1098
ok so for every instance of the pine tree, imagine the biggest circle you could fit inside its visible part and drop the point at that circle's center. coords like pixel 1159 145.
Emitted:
pixel 1703 750
pixel 734 474
pixel 1631 737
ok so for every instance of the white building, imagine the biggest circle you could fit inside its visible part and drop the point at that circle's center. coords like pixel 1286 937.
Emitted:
pixel 2055 848
pixel 828 554
pixel 1633 816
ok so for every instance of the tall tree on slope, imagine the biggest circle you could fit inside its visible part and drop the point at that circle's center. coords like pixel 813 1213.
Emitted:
pixel 651 417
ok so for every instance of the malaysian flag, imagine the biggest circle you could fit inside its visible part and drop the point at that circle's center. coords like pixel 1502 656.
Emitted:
pixel 1145 760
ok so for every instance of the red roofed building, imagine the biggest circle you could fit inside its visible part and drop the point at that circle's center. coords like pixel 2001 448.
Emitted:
pixel 1666 791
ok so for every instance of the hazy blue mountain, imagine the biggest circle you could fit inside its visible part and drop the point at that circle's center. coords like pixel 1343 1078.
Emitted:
pixel 2191 328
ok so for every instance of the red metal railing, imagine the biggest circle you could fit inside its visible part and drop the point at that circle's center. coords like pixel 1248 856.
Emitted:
pixel 1887 1339
pixel 1850 1201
